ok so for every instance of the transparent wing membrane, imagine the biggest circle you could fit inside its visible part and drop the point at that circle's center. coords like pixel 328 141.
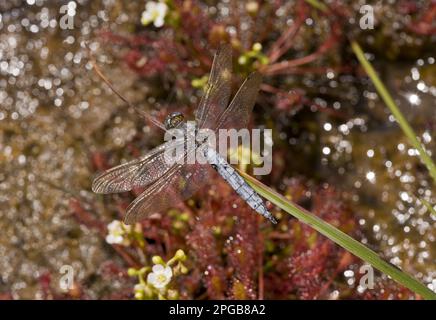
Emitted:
pixel 167 181
pixel 136 173
pixel 180 182
pixel 237 114
pixel 218 89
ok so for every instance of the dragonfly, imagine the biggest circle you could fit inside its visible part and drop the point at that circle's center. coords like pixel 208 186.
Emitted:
pixel 166 181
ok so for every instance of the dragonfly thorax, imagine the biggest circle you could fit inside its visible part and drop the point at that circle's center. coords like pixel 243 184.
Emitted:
pixel 173 120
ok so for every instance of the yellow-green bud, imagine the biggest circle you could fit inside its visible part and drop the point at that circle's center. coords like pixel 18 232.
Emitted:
pixel 183 269
pixel 139 295
pixel 216 230
pixel 242 60
pixel 132 272
pixel 184 216
pixel 263 59
pixel 157 260
pixel 177 225
pixel 257 47
pixel 180 255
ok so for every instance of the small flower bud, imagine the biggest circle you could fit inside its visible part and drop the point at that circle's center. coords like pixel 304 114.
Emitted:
pixel 216 230
pixel 178 225
pixel 157 260
pixel 139 295
pixel 180 255
pixel 242 60
pixel 263 60
pixel 132 272
pixel 257 47
pixel 184 216
pixel 183 269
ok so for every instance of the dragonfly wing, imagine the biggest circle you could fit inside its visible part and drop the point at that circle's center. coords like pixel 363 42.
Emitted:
pixel 126 176
pixel 180 182
pixel 218 89
pixel 238 113
pixel 155 167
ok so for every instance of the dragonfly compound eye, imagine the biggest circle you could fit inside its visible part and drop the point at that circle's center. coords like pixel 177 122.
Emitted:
pixel 173 120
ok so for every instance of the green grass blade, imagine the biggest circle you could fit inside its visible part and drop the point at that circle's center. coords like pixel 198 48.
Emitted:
pixel 389 101
pixel 340 238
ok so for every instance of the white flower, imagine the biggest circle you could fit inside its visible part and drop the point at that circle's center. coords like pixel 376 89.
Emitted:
pixel 154 12
pixel 118 232
pixel 160 276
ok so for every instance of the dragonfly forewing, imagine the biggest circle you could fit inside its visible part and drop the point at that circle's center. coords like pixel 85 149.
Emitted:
pixel 218 89
pixel 237 114
pixel 136 173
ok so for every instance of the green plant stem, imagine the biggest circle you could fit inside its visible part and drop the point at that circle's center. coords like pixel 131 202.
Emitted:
pixel 340 238
pixel 316 4
pixel 387 98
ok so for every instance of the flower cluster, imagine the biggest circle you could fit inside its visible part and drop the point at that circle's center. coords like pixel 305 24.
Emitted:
pixel 155 13
pixel 122 234
pixel 118 233
pixel 252 57
pixel 159 277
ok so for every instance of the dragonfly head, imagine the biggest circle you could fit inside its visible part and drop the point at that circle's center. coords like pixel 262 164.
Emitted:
pixel 173 120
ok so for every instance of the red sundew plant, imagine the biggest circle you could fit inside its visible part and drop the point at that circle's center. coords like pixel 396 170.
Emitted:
pixel 183 46
pixel 232 253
